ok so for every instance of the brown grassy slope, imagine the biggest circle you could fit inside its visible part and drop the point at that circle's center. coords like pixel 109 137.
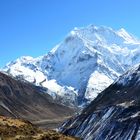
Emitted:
pixel 15 129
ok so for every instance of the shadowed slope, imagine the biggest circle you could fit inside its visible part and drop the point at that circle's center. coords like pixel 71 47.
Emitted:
pixel 23 100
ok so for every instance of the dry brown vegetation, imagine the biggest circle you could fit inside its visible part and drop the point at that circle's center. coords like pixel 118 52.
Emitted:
pixel 17 129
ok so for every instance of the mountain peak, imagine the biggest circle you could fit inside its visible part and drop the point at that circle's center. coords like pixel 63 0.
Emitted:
pixel 102 34
pixel 129 38
pixel 105 34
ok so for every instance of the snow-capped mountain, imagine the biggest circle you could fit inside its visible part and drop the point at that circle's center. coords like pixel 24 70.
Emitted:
pixel 84 64
pixel 113 115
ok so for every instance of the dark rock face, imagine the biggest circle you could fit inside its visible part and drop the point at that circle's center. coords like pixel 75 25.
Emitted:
pixel 111 123
pixel 113 115
pixel 23 100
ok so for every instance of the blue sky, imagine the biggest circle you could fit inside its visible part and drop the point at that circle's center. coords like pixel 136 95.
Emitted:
pixel 33 27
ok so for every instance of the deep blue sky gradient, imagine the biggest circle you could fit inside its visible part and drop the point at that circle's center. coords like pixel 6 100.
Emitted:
pixel 33 27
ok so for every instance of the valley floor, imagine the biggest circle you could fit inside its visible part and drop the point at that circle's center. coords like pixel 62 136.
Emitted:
pixel 51 123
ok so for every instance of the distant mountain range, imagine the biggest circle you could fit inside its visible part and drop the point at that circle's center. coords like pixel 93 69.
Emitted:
pixel 113 115
pixel 86 62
